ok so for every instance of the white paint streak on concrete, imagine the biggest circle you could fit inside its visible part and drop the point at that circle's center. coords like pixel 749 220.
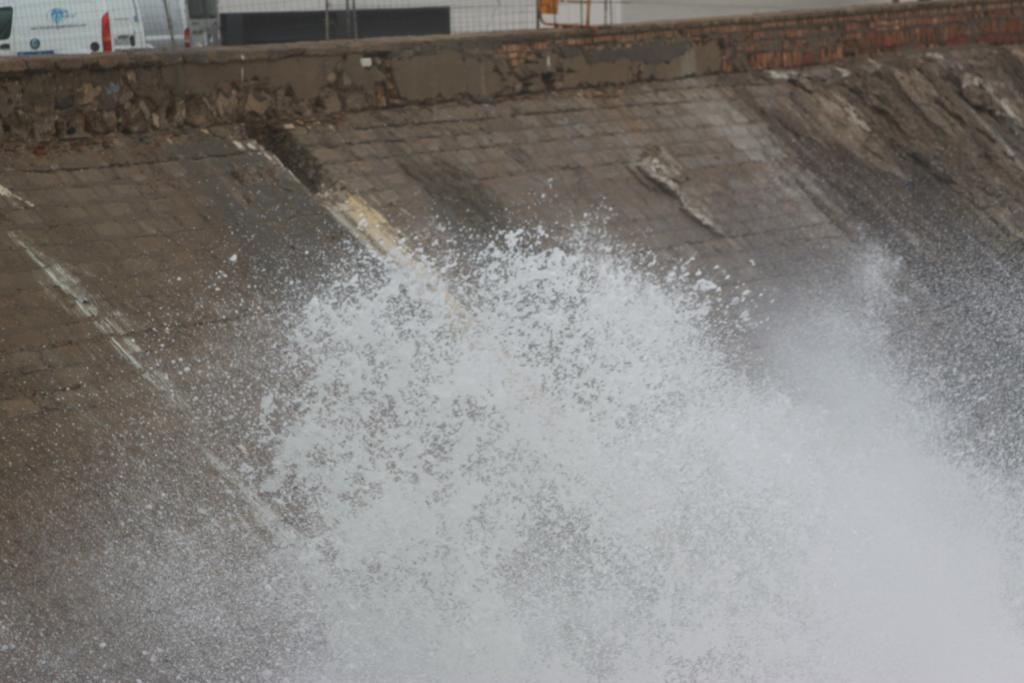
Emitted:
pixel 85 305
pixel 59 276
pixel 16 198
pixel 88 307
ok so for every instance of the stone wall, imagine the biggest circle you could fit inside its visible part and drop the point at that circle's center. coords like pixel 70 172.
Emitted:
pixel 46 98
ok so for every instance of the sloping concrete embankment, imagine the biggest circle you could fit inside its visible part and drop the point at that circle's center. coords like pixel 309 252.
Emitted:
pixel 156 213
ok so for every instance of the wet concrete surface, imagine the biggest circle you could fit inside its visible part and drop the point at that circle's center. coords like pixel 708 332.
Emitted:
pixel 142 277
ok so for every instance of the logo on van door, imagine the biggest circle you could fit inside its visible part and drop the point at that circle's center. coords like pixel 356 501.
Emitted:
pixel 59 15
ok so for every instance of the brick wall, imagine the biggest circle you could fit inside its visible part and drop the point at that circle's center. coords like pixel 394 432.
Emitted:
pixel 43 98
pixel 795 40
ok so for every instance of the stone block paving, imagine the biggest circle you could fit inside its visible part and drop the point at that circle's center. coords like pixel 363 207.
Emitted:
pixel 127 267
pixel 571 160
pixel 137 239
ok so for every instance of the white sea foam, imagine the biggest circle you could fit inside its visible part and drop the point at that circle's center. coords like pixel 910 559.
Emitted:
pixel 568 476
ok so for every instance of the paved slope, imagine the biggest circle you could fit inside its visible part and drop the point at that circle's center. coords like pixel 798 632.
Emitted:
pixel 139 277
pixel 128 264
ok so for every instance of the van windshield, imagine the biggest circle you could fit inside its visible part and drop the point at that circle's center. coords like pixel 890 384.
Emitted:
pixel 6 19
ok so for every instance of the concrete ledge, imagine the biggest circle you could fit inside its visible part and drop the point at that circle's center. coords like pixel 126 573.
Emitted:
pixel 56 97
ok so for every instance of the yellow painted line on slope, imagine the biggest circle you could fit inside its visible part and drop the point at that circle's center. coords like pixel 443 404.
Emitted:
pixel 370 227
pixel 367 224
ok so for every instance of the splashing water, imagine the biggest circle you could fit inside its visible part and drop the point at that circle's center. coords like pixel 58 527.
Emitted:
pixel 567 476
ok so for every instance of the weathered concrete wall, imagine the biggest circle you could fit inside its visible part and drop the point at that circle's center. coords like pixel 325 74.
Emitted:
pixel 704 167
pixel 142 275
pixel 43 98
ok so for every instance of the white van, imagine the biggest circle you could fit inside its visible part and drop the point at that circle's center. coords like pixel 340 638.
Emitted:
pixel 47 27
pixel 126 25
pixel 204 20
pixel 166 23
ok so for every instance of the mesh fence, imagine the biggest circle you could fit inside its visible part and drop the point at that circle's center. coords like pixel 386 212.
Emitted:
pixel 246 20
pixel 31 27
